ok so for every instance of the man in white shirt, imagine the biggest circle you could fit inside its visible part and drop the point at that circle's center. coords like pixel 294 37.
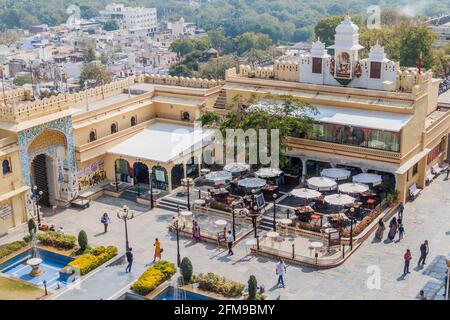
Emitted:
pixel 61 230
pixel 281 271
pixel 230 240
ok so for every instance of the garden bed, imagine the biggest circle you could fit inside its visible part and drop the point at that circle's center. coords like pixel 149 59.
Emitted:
pixel 153 277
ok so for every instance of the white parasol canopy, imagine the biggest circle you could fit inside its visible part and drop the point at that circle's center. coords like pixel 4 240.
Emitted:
pixel 219 176
pixel 236 167
pixel 368 178
pixel 250 183
pixel 339 199
pixel 322 184
pixel 353 188
pixel 305 193
pixel 336 173
pixel 268 172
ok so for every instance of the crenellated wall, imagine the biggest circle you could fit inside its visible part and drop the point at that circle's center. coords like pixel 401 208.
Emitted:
pixel 281 70
pixel 179 81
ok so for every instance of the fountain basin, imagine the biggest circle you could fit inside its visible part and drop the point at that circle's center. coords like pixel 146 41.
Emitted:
pixel 51 265
pixel 34 264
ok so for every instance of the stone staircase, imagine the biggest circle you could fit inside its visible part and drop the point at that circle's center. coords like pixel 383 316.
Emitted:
pixel 128 195
pixel 171 204
pixel 221 100
pixel 266 223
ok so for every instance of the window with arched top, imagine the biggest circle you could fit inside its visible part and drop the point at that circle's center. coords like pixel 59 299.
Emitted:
pixel 6 167
pixel 185 116
pixel 92 136
pixel 133 121
pixel 114 128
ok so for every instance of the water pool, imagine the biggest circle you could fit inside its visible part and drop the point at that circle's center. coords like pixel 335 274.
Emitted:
pixel 51 264
pixel 171 293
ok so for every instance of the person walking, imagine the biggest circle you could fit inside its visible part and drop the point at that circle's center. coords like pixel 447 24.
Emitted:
pixel 230 241
pixel 392 229
pixel 380 230
pixel 197 232
pixel 401 231
pixel 280 271
pixel 129 256
pixel 158 250
pixel 448 172
pixel 105 221
pixel 424 249
pixel 401 207
pixel 407 257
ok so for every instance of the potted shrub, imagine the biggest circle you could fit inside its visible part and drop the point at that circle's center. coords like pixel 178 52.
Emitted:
pixel 82 241
pixel 186 270
pixel 32 227
pixel 252 287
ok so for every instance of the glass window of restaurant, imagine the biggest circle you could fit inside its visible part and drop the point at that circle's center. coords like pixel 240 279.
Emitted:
pixel 355 136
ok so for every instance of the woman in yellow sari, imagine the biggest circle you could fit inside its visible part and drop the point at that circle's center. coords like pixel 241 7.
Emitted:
pixel 158 250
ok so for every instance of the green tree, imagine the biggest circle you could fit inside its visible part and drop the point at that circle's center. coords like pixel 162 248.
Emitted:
pixel 251 40
pixel 89 55
pixel 180 70
pixel 110 25
pixel 186 270
pixel 215 68
pixel 289 115
pixel 182 46
pixel 416 41
pixel 32 228
pixel 325 29
pixel 252 287
pixel 22 80
pixel 82 240
pixel 95 73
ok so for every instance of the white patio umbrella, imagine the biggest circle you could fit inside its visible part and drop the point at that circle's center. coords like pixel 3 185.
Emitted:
pixel 339 199
pixel 305 193
pixel 236 167
pixel 368 178
pixel 353 188
pixel 219 176
pixel 252 183
pixel 322 184
pixel 336 173
pixel 268 173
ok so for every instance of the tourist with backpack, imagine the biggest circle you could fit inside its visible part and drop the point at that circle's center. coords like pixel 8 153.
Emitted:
pixel 105 221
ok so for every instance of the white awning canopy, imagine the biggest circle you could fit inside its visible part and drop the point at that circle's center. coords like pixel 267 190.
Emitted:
pixel 164 142
pixel 369 119
pixel 380 120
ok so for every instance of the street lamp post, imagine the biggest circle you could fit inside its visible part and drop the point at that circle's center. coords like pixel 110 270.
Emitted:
pixel 254 216
pixel 234 222
pixel 152 206
pixel 275 212
pixel 125 215
pixel 351 232
pixel 36 196
pixel 177 226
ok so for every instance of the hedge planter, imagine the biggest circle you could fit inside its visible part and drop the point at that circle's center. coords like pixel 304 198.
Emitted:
pixel 153 277
pixel 92 260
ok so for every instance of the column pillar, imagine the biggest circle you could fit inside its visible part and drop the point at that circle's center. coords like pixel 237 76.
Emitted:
pixel 184 170
pixel 400 185
pixel 304 169
pixel 169 178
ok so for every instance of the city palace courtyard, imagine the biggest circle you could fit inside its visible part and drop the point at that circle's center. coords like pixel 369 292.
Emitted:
pixel 374 271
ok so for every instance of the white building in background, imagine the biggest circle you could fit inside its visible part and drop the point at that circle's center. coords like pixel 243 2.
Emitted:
pixel 345 68
pixel 132 18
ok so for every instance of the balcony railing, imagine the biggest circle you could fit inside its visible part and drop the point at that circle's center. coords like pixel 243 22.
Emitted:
pixel 322 145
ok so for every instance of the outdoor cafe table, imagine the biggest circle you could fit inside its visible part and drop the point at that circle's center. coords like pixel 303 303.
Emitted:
pixel 272 235
pixel 285 226
pixel 316 246
pixel 184 215
pixel 199 203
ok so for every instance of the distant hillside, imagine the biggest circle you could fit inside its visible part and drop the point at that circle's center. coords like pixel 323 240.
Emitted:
pixel 282 20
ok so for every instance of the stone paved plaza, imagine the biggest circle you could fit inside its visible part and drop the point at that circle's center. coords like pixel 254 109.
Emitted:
pixel 425 218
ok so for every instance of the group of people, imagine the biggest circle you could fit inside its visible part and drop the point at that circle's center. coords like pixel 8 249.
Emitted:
pixel 395 225
pixel 407 257
pixel 130 257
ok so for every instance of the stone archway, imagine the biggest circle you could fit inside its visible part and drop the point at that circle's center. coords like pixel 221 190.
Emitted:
pixel 141 173
pixel 46 139
pixel 177 175
pixel 42 177
pixel 160 178
pixel 124 172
